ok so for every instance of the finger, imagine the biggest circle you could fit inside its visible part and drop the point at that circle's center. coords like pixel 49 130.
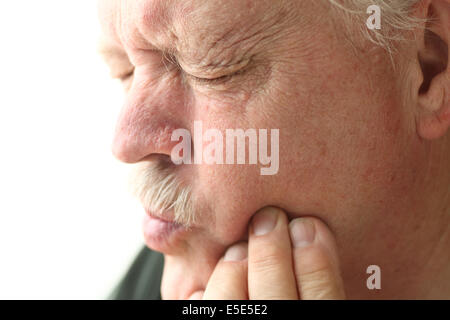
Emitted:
pixel 316 262
pixel 197 295
pixel 229 279
pixel 270 272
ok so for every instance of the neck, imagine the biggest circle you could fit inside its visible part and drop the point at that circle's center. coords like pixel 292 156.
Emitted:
pixel 435 277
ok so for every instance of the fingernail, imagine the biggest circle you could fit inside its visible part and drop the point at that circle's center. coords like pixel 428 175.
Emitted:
pixel 302 232
pixel 264 222
pixel 237 252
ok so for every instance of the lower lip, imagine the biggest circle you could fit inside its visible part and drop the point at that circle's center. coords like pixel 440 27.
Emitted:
pixel 161 235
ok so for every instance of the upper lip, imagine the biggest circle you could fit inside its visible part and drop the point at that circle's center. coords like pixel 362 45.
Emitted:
pixel 166 216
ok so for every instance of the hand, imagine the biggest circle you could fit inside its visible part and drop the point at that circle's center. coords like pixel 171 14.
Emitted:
pixel 282 260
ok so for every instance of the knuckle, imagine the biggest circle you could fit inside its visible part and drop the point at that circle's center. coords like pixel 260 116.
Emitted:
pixel 318 283
pixel 266 262
pixel 320 273
pixel 317 293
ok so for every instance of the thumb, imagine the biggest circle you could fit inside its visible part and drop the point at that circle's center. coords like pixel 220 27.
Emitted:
pixel 315 260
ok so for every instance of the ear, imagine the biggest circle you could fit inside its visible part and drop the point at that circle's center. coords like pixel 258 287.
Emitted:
pixel 433 119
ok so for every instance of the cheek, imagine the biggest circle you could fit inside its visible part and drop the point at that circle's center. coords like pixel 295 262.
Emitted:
pixel 342 142
pixel 230 194
pixel 240 201
pixel 341 146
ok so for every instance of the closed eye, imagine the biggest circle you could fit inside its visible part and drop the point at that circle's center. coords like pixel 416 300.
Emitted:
pixel 216 81
pixel 126 76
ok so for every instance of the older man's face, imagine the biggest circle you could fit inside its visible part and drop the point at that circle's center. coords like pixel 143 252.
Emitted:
pixel 348 152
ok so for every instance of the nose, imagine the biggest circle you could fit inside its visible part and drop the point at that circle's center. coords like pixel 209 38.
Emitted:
pixel 146 122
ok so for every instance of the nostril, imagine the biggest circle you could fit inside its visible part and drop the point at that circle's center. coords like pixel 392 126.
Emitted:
pixel 163 160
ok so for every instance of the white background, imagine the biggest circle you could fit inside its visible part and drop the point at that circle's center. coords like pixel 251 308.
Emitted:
pixel 68 226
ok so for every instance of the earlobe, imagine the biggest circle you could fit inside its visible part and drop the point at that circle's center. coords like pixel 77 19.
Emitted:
pixel 434 124
pixel 433 119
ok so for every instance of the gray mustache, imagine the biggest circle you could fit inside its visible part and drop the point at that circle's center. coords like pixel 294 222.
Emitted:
pixel 159 189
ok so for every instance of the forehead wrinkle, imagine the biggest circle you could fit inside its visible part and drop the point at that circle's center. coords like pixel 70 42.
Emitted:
pixel 225 39
pixel 155 22
pixel 128 25
pixel 136 24
pixel 118 29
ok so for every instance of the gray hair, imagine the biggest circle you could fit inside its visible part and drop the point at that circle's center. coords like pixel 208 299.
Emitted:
pixel 160 191
pixel 396 17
